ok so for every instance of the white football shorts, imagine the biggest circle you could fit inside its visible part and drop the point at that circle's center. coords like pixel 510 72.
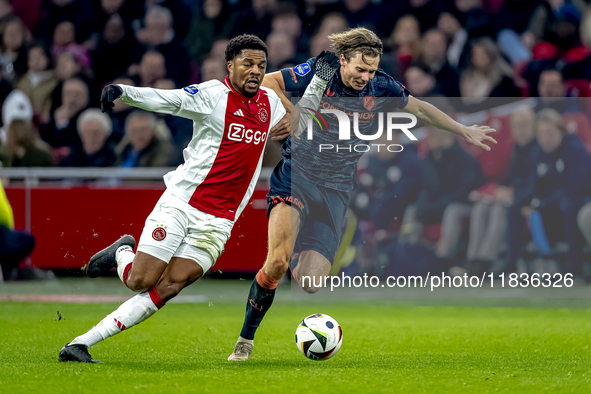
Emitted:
pixel 176 229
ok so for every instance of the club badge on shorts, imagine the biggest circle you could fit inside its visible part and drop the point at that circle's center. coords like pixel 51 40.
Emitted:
pixel 159 233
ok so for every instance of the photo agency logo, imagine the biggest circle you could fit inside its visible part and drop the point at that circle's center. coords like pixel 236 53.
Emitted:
pixel 349 128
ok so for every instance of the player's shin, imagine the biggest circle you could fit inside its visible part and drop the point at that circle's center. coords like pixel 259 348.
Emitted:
pixel 131 312
pixel 258 303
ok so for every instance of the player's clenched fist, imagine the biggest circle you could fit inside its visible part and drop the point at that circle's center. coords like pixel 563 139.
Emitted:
pixel 327 63
pixel 109 94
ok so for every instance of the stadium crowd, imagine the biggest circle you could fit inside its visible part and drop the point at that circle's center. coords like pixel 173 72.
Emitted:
pixel 56 55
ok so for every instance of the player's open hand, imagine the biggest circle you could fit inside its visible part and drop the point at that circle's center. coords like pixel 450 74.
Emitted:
pixel 108 95
pixel 475 135
pixel 282 129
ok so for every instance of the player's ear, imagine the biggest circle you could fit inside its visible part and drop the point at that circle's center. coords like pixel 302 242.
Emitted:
pixel 343 60
pixel 230 67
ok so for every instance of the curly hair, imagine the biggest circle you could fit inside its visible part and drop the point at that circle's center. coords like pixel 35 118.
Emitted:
pixel 357 40
pixel 245 41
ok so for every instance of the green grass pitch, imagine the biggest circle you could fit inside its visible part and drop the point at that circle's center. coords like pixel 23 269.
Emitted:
pixel 386 348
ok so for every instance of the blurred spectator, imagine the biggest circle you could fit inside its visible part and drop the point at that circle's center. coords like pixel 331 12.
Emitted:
pixel 39 81
pixel 181 129
pixel 14 245
pixel 514 15
pixel 61 129
pixel 94 128
pixel 79 12
pixel 214 68
pixel 475 19
pixel 511 25
pixel 420 81
pixel 218 50
pixel 552 93
pixel 24 148
pixel 141 146
pixel 14 37
pixel 488 220
pixel 365 14
pixel 152 68
pixel 427 11
pixel 181 10
pixel 16 106
pixel 126 10
pixel 212 21
pixel 434 55
pixel 558 189
pixel 389 184
pixel 281 49
pixel 258 19
pixel 405 41
pixel 115 50
pixel 554 21
pixel 158 34
pixel 449 175
pixel 287 21
pixel 456 35
pixel 64 40
pixel 333 22
pixel 67 66
pixel 6 11
pixel 487 75
pixel 120 112
pixel 550 84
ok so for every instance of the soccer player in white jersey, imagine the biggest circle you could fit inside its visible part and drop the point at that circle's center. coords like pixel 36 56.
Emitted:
pixel 187 230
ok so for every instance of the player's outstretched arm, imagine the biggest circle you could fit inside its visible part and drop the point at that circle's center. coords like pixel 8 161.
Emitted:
pixel 327 64
pixel 474 134
pixel 168 102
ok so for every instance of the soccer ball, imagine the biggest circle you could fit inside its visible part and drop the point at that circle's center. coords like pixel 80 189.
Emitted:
pixel 319 337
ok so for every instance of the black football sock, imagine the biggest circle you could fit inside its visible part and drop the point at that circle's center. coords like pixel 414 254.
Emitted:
pixel 258 303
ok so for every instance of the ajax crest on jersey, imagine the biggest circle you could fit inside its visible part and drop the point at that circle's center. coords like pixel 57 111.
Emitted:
pixel 302 69
pixel 319 337
pixel 263 115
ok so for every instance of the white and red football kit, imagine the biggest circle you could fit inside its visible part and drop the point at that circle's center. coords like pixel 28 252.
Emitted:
pixel 207 193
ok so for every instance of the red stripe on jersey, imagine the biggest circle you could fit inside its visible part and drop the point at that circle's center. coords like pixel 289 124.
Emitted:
pixel 243 141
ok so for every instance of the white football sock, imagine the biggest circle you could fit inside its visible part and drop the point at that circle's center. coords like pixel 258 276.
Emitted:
pixel 130 313
pixel 124 257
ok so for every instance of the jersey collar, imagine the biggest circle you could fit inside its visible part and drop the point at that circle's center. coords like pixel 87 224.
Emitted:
pixel 244 99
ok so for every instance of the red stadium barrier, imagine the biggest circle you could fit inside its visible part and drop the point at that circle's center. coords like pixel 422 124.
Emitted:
pixel 71 224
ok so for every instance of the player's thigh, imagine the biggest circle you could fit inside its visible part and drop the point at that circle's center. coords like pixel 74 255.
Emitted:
pixel 145 271
pixel 164 231
pixel 284 222
pixel 179 273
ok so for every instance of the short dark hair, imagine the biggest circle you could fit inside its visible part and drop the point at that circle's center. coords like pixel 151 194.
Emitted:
pixel 245 41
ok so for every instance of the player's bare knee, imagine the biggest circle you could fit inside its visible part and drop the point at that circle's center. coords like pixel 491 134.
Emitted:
pixel 308 288
pixel 276 264
pixel 137 283
pixel 276 267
